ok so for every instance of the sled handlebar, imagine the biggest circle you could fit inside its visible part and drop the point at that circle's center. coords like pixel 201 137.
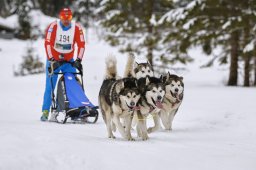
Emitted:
pixel 56 64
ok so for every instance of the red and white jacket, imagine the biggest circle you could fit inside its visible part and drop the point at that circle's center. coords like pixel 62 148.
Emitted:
pixel 57 44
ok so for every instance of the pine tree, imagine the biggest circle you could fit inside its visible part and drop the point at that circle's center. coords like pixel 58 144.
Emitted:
pixel 52 7
pixel 248 25
pixel 24 31
pixel 85 11
pixel 177 38
pixel 209 24
pixel 8 7
pixel 132 26
pixel 254 66
pixel 31 63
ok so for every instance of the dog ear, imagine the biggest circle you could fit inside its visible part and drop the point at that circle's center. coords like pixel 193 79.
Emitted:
pixel 168 76
pixel 149 64
pixel 119 87
pixel 147 81
pixel 162 78
pixel 181 78
pixel 136 64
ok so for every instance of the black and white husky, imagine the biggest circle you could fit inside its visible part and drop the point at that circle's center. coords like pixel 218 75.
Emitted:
pixel 118 100
pixel 174 90
pixel 152 94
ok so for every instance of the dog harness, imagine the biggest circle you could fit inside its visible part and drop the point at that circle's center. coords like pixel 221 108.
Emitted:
pixel 173 103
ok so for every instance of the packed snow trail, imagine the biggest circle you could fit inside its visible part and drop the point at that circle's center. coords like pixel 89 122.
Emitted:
pixel 214 127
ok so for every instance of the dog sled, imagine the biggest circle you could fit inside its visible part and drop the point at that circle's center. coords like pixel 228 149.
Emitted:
pixel 70 104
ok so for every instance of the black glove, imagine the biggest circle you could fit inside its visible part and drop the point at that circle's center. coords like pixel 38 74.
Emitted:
pixel 77 64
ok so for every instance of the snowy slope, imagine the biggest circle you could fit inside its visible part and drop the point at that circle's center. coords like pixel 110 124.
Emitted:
pixel 214 128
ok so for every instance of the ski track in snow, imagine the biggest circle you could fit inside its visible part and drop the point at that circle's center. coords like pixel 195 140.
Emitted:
pixel 214 127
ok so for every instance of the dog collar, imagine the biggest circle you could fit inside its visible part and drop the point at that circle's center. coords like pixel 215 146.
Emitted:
pixel 177 101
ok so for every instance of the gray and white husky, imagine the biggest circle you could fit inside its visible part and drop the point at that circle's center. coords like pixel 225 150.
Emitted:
pixel 139 70
pixel 174 91
pixel 118 100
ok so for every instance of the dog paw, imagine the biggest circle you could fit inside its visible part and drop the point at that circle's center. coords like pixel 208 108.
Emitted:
pixel 150 130
pixel 131 139
pixel 111 136
pixel 145 138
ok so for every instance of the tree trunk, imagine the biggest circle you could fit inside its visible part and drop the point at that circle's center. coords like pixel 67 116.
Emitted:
pixel 247 59
pixel 254 65
pixel 150 57
pixel 232 81
pixel 150 29
pixel 150 45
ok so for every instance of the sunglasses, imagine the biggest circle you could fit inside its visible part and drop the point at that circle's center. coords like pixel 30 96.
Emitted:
pixel 69 17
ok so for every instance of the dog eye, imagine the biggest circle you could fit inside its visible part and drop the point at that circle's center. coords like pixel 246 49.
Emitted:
pixel 149 71
pixel 172 85
pixel 134 96
pixel 128 97
pixel 179 85
pixel 161 91
pixel 143 71
pixel 154 91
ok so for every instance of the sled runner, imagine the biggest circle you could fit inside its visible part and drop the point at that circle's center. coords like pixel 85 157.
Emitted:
pixel 71 101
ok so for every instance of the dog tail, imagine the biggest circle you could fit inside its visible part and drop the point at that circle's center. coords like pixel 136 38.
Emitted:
pixel 129 66
pixel 111 67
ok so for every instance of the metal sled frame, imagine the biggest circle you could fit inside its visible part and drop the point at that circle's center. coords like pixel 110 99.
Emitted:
pixel 91 112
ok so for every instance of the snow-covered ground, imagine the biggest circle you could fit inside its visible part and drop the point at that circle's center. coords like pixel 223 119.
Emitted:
pixel 214 129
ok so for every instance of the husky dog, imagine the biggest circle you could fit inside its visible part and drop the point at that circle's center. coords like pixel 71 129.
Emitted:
pixel 174 90
pixel 139 70
pixel 152 94
pixel 117 100
pixel 143 70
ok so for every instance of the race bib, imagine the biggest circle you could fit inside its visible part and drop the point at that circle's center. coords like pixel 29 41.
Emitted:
pixel 64 39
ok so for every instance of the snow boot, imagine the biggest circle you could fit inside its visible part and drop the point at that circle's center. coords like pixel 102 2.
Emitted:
pixel 53 117
pixel 45 115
